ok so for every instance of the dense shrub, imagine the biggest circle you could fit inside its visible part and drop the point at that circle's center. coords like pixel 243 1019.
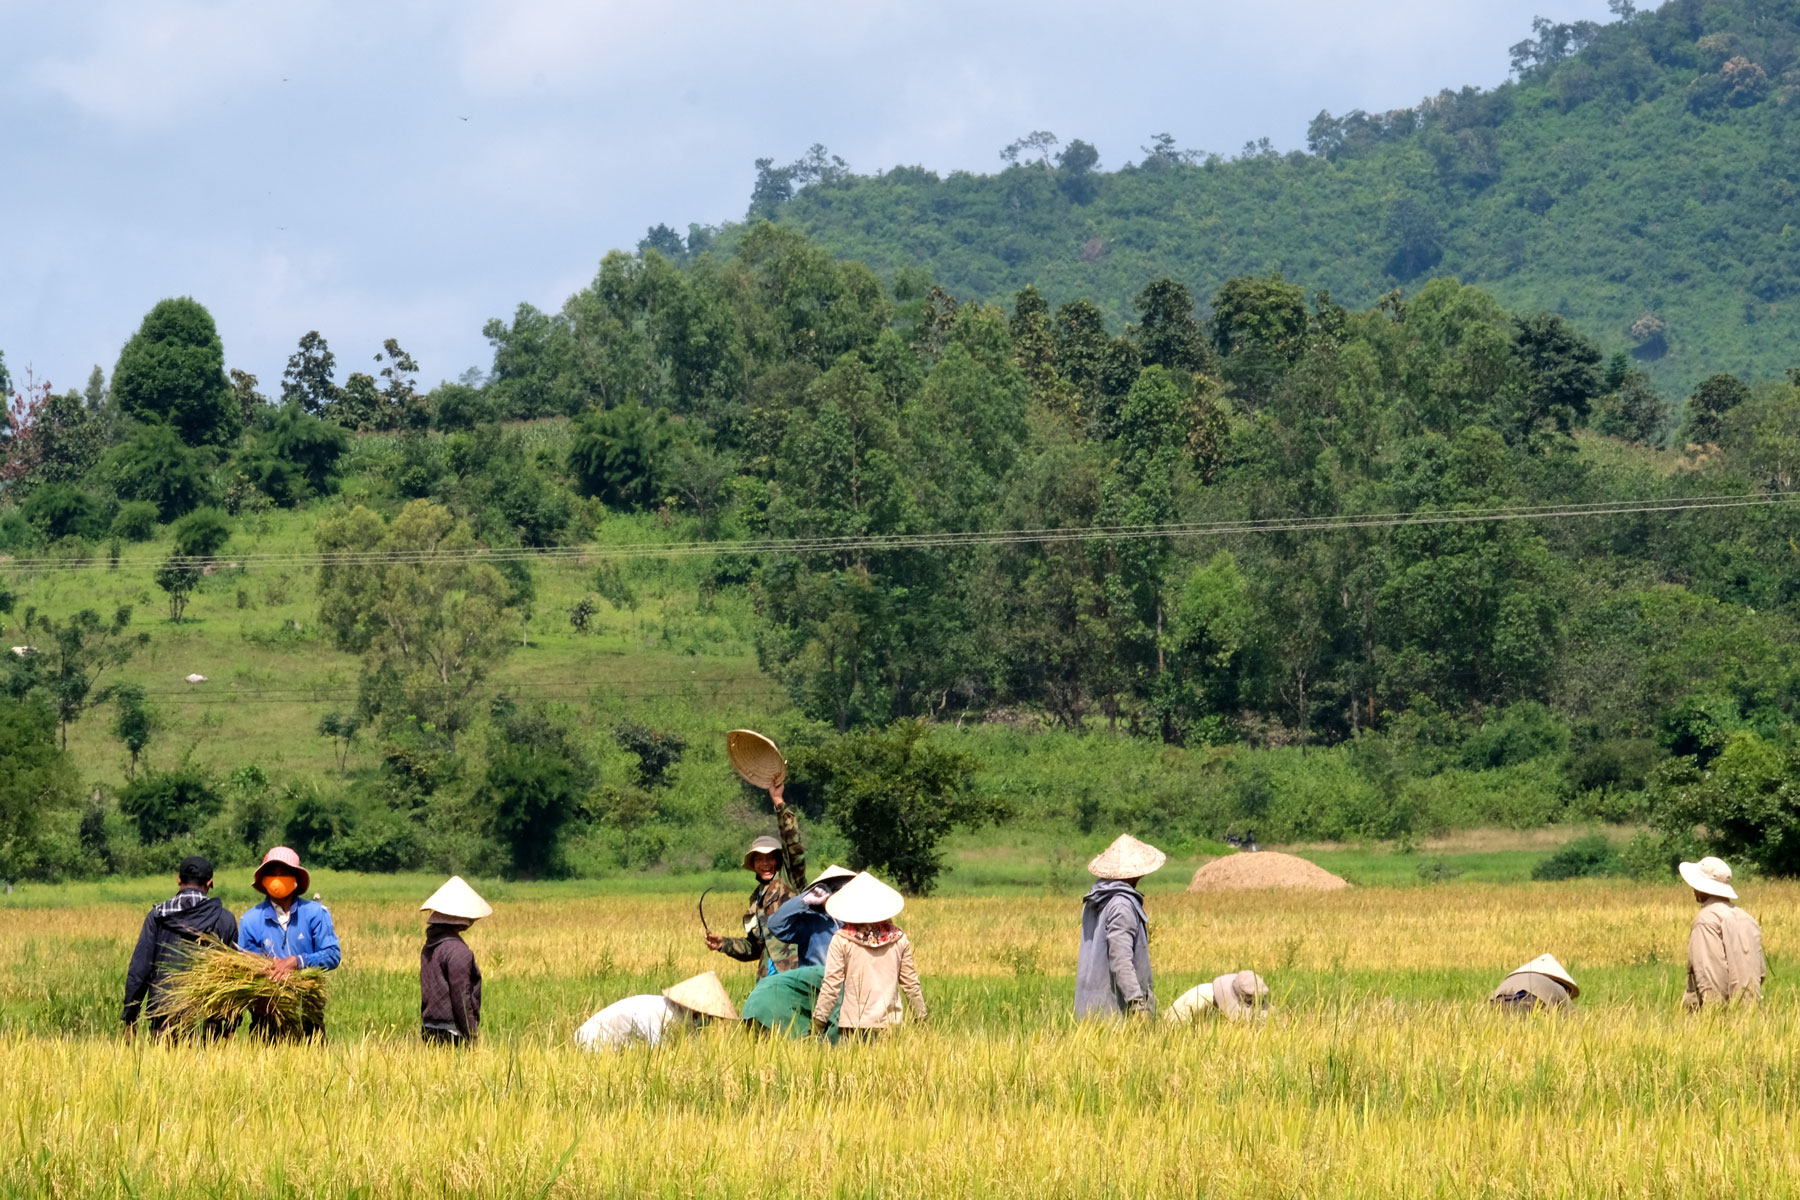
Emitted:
pixel 1584 858
pixel 135 521
pixel 63 510
pixel 167 804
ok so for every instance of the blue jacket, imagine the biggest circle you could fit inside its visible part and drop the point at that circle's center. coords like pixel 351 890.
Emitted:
pixel 806 928
pixel 308 935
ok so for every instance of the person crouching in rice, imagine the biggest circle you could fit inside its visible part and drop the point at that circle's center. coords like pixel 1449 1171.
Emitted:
pixel 1240 996
pixel 650 1018
pixel 1542 983
pixel 449 980
pixel 868 964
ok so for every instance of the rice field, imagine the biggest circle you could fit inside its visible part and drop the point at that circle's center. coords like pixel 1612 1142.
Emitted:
pixel 1380 1074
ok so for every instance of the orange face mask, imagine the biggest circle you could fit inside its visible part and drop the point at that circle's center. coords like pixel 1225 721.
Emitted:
pixel 280 886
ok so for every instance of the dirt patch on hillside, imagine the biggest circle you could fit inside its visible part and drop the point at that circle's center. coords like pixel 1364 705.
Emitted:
pixel 1265 869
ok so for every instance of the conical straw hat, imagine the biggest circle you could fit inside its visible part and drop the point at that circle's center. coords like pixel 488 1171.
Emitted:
pixel 865 900
pixel 457 899
pixel 1127 858
pixel 830 873
pixel 755 758
pixel 703 994
pixel 1546 964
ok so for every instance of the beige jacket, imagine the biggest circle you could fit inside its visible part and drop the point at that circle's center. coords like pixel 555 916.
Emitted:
pixel 869 979
pixel 1725 957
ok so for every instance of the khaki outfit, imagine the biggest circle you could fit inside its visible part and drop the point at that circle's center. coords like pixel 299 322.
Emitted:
pixel 1528 989
pixel 869 971
pixel 1725 957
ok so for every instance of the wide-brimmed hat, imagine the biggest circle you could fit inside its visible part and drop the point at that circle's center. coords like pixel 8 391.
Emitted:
pixel 829 874
pixel 865 900
pixel 1127 858
pixel 1546 964
pixel 1239 995
pixel 457 899
pixel 762 845
pixel 281 861
pixel 703 994
pixel 1710 876
pixel 755 758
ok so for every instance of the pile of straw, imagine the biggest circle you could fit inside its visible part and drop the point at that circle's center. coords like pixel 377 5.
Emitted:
pixel 222 983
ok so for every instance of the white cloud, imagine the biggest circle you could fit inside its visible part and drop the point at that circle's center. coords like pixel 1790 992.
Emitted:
pixel 149 62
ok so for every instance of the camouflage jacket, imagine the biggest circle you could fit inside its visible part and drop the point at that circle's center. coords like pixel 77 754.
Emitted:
pixel 758 943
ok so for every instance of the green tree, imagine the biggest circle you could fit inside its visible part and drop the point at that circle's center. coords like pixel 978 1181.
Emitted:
pixel 39 789
pixel 1259 329
pixel 1168 332
pixel 1708 406
pixel 1208 643
pixel 1744 805
pixel 154 464
pixel 411 599
pixel 67 670
pixel 307 381
pixel 342 728
pixel 296 457
pixel 170 804
pixel 1560 376
pixel 198 537
pixel 895 796
pixel 172 370
pixel 251 404
pixel 620 456
pixel 133 723
pixel 657 751
pixel 534 786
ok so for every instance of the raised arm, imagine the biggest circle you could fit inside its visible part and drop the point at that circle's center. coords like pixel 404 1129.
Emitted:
pixel 787 827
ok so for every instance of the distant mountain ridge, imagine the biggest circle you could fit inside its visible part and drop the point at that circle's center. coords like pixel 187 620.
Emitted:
pixel 1639 178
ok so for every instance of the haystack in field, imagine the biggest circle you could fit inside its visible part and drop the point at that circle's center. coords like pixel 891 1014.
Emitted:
pixel 1264 869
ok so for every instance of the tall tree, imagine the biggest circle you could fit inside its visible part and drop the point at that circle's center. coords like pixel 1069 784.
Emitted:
pixel 172 370
pixel 308 381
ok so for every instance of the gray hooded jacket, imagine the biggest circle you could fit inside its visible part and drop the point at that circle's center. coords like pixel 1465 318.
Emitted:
pixel 1113 972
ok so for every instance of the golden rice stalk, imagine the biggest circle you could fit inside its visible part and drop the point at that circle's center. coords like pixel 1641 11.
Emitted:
pixel 222 983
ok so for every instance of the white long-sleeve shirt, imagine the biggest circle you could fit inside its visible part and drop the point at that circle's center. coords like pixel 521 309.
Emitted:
pixel 633 1019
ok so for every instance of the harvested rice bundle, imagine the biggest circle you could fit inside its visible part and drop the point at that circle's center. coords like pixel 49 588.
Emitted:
pixel 222 983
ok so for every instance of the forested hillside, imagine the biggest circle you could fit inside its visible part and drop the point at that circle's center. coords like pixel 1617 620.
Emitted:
pixel 1261 562
pixel 1638 179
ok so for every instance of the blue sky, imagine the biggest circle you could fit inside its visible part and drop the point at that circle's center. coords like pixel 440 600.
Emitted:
pixel 409 169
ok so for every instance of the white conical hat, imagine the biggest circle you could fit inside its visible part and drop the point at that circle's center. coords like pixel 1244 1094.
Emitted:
pixel 457 899
pixel 830 873
pixel 1546 964
pixel 1710 876
pixel 864 901
pixel 1127 858
pixel 703 994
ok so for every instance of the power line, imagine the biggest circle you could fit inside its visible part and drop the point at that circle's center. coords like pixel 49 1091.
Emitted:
pixel 344 560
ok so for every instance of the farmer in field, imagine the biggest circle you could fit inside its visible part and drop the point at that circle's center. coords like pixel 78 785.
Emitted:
pixel 1240 996
pixel 287 927
pixel 869 963
pixel 1725 956
pixel 780 870
pixel 1112 973
pixel 784 1002
pixel 449 980
pixel 171 931
pixel 647 1019
pixel 1541 983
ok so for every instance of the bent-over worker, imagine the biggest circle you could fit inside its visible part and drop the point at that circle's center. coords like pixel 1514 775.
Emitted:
pixel 690 1003
pixel 1725 955
pixel 1240 995
pixel 1112 974
pixel 1541 983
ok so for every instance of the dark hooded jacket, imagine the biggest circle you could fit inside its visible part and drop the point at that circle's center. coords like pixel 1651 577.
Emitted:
pixel 1112 974
pixel 170 933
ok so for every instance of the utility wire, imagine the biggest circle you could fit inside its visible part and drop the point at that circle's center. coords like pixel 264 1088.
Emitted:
pixel 928 541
